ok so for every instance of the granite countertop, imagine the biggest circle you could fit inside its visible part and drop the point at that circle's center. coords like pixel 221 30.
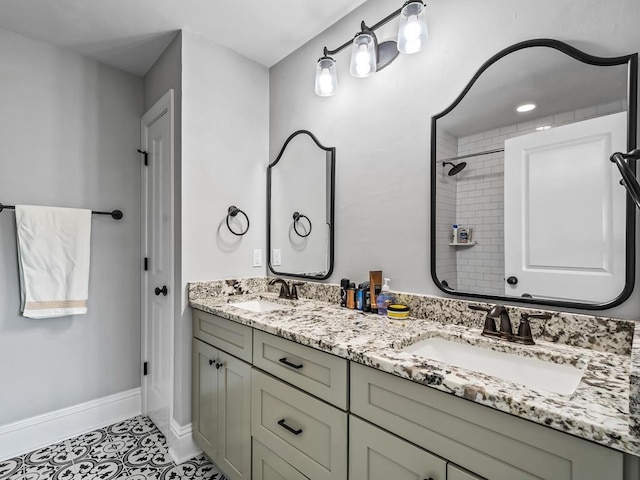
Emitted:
pixel 598 410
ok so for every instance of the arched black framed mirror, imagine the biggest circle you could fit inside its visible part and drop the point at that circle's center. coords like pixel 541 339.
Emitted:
pixel 301 179
pixel 520 163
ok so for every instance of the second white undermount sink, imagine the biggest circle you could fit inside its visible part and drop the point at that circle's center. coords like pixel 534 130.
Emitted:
pixel 258 306
pixel 528 371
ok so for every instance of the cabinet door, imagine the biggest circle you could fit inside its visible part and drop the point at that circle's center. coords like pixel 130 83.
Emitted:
pixel 269 466
pixel 205 397
pixel 456 473
pixel 234 418
pixel 377 455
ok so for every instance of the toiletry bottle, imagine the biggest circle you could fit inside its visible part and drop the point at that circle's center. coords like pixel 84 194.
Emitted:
pixel 463 235
pixel 344 286
pixel 351 296
pixel 385 298
pixel 359 298
pixel 454 234
pixel 366 297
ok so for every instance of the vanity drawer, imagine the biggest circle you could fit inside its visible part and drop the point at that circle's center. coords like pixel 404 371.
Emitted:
pixel 269 466
pixel 306 432
pixel 490 443
pixel 319 373
pixel 224 334
pixel 377 455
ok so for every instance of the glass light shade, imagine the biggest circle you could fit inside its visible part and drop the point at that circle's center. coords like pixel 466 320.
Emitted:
pixel 363 55
pixel 326 77
pixel 412 30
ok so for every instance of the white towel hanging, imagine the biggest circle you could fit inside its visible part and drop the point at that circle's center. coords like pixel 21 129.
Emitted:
pixel 53 258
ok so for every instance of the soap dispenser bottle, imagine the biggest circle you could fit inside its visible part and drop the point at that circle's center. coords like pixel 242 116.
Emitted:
pixel 384 298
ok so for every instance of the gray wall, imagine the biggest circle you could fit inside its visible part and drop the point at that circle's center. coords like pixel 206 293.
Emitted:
pixel 69 130
pixel 381 125
pixel 225 105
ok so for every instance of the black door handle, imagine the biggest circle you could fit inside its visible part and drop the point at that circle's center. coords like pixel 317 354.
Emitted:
pixel 512 280
pixel 162 290
pixel 287 427
pixel 289 364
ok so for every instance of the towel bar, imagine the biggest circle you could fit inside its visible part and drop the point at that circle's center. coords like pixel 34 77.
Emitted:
pixel 115 214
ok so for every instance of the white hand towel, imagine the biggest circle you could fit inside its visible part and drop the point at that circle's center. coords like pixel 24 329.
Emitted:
pixel 53 256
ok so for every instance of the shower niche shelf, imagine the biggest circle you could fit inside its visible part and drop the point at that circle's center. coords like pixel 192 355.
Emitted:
pixel 466 244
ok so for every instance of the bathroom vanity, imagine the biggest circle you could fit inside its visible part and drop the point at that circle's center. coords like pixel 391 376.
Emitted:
pixel 305 389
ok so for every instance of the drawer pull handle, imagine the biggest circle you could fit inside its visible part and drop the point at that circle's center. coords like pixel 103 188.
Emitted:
pixel 287 427
pixel 289 364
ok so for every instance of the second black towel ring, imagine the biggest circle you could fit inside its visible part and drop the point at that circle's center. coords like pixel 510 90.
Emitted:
pixel 296 217
pixel 232 212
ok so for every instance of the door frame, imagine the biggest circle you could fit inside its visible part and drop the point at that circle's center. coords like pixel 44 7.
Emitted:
pixel 164 106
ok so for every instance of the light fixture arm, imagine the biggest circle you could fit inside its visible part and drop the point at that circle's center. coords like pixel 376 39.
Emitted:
pixel 364 28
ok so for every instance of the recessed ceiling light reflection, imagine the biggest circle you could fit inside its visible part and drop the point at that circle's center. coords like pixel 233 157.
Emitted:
pixel 543 127
pixel 526 107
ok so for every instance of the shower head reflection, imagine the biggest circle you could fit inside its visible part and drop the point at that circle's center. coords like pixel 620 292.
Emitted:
pixel 456 168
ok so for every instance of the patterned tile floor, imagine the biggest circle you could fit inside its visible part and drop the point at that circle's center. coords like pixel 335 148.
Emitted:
pixel 130 450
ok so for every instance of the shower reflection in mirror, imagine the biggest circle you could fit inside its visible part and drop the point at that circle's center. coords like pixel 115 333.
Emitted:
pixel 301 176
pixel 521 157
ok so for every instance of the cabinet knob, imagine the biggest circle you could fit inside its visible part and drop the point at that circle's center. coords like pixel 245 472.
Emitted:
pixel 512 280
pixel 211 362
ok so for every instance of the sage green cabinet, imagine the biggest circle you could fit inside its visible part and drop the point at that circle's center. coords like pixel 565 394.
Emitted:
pixel 456 473
pixel 489 443
pixel 307 433
pixel 377 455
pixel 221 409
pixel 269 466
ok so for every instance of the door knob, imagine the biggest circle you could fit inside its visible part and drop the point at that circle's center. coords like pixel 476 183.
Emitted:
pixel 162 290
pixel 512 280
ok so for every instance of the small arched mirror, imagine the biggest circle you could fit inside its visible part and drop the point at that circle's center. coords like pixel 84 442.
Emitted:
pixel 520 165
pixel 300 208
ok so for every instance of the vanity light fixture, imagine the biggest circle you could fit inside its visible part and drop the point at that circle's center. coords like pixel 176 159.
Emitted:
pixel 364 55
pixel 326 78
pixel 525 107
pixel 412 31
pixel 369 56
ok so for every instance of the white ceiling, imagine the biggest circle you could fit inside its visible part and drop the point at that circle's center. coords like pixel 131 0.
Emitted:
pixel 131 34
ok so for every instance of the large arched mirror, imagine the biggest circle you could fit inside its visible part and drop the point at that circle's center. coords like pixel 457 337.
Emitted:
pixel 520 165
pixel 300 208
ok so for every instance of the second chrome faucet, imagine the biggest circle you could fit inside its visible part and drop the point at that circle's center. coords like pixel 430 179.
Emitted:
pixel 505 330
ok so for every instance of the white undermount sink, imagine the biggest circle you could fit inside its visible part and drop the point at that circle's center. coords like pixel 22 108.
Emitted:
pixel 528 371
pixel 258 306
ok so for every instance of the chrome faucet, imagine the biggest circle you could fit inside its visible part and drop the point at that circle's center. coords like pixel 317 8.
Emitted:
pixel 284 289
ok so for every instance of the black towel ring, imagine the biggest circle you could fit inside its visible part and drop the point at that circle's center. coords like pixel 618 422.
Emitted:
pixel 232 212
pixel 298 216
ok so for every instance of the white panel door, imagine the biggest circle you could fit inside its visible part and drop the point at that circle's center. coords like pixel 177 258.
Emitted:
pixel 565 212
pixel 157 246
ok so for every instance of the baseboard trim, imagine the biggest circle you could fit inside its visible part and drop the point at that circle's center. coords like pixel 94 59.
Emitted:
pixel 181 444
pixel 32 433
